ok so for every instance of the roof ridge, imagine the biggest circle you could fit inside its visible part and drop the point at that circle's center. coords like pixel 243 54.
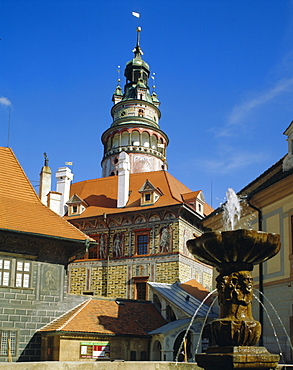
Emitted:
pixel 170 189
pixel 84 303
pixel 77 312
pixel 24 174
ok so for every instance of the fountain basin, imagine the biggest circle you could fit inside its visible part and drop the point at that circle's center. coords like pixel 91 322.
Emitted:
pixel 234 250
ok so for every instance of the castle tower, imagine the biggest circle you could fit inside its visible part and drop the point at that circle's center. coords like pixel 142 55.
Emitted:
pixel 135 128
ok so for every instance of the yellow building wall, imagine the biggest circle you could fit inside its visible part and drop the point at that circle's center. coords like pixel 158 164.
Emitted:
pixel 120 348
pixel 167 272
pixel 184 272
pixel 78 280
pixel 117 281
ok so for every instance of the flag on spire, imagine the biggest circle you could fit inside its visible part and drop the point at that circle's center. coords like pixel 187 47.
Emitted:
pixel 137 15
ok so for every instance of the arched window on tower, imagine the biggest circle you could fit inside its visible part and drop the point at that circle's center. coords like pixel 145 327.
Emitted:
pixel 115 142
pixel 154 142
pixel 124 138
pixel 109 143
pixel 145 139
pixel 140 113
pixel 135 138
pixel 161 146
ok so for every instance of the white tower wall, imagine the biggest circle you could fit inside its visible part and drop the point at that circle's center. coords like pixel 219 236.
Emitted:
pixel 64 177
pixel 123 179
pixel 45 184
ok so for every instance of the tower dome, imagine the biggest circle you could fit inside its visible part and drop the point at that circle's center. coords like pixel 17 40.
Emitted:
pixel 135 128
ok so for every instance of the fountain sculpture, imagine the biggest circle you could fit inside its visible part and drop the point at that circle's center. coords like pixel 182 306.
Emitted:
pixel 235 333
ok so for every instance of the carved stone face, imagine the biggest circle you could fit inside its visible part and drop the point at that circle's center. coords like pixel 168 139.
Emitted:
pixel 235 288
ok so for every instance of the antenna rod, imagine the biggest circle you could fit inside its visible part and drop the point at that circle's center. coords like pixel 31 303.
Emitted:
pixel 8 131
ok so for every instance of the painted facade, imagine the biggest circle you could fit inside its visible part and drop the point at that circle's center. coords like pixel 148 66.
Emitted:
pixel 140 216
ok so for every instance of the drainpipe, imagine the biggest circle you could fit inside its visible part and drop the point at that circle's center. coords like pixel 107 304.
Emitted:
pixel 261 299
pixel 108 256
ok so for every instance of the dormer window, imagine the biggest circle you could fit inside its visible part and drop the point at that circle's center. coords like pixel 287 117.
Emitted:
pixel 149 194
pixel 147 197
pixel 76 205
pixel 195 199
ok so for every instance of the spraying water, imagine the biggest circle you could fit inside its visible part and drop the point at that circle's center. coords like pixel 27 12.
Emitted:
pixel 272 325
pixel 232 210
pixel 190 324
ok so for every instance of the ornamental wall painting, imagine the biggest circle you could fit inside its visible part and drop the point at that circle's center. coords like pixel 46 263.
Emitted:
pixel 166 233
pixel 187 234
pixel 118 245
pixel 103 246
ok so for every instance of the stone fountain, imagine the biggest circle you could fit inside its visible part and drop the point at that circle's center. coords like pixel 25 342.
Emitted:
pixel 235 334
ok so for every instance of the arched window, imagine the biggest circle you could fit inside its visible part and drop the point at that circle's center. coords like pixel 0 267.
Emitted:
pixel 124 138
pixel 170 315
pixel 157 350
pixel 140 113
pixel 145 139
pixel 135 138
pixel 154 142
pixel 177 345
pixel 157 303
pixel 115 142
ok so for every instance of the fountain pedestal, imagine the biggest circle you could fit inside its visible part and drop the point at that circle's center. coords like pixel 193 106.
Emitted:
pixel 237 357
pixel 236 332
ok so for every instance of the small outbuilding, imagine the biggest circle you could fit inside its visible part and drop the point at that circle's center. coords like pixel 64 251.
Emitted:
pixel 102 329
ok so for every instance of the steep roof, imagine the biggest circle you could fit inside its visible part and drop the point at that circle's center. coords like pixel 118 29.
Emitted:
pixel 109 317
pixel 21 209
pixel 101 194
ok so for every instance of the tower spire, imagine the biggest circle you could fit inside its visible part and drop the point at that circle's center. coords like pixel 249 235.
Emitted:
pixel 135 129
pixel 137 50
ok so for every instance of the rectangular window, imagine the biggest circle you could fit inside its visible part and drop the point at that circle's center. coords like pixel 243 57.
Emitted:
pixel 143 356
pixel 141 290
pixel 142 243
pixel 15 273
pixel 147 197
pixel 22 277
pixel 8 343
pixel 5 271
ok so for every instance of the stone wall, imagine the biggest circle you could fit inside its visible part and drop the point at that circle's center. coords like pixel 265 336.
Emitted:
pixel 116 365
pixel 24 310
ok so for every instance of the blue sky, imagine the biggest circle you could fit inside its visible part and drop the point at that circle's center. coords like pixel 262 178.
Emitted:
pixel 224 76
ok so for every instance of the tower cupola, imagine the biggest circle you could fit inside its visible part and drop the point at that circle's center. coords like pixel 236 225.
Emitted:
pixel 135 128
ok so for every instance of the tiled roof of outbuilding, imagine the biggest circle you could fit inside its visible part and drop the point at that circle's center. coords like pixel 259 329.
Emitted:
pixel 109 317
pixel 20 207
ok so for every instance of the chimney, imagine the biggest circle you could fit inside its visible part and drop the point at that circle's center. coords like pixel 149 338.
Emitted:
pixel 123 179
pixel 54 200
pixel 45 181
pixel 64 178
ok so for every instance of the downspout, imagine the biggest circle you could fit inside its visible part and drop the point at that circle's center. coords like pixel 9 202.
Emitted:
pixel 108 256
pixel 261 289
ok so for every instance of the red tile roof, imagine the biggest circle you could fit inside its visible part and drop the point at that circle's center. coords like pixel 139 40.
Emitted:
pixel 21 208
pixel 109 317
pixel 101 194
